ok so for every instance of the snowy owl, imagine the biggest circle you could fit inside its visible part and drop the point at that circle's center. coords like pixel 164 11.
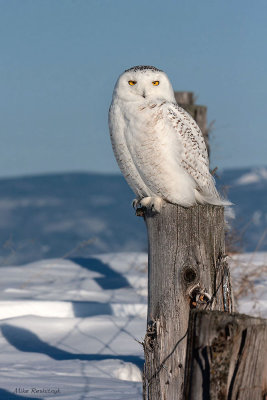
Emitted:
pixel 158 146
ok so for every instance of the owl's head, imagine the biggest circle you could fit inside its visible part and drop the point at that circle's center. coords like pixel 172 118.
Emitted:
pixel 143 82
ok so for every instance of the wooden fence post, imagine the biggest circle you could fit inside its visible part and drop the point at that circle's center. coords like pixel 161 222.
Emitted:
pixel 226 357
pixel 187 269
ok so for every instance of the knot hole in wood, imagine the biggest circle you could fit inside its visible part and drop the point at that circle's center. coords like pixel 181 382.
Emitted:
pixel 189 275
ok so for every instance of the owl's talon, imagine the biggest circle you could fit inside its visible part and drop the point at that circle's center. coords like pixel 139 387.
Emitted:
pixel 154 203
pixel 136 203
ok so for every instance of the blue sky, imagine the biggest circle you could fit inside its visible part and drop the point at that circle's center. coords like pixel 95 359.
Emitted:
pixel 60 60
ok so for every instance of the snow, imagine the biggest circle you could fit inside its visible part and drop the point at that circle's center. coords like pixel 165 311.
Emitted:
pixel 249 273
pixel 71 327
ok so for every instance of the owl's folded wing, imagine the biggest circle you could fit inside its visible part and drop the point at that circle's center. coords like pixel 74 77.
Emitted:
pixel 194 156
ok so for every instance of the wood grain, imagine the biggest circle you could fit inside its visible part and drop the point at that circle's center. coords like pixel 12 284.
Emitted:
pixel 226 357
pixel 187 269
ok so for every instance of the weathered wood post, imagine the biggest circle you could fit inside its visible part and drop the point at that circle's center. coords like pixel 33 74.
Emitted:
pixel 187 269
pixel 226 357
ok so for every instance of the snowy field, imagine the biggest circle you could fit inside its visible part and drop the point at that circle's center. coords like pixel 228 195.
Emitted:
pixel 70 327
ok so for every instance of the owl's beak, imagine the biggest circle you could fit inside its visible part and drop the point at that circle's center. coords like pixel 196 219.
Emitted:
pixel 144 94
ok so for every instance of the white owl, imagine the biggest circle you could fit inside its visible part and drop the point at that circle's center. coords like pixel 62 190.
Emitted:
pixel 158 146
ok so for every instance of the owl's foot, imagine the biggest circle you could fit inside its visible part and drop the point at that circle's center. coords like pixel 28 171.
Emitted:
pixel 154 203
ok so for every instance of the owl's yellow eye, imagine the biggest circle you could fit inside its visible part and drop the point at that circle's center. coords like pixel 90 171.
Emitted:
pixel 155 83
pixel 132 83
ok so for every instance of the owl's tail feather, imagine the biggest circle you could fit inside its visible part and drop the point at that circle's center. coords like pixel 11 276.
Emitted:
pixel 215 200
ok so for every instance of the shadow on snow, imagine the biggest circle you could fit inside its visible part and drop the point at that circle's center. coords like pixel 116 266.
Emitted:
pixel 83 309
pixel 26 341
pixel 111 279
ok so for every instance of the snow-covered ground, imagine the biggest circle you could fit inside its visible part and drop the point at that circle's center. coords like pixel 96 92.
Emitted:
pixel 70 327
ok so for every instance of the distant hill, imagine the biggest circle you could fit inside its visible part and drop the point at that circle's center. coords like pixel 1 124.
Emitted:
pixel 247 189
pixel 77 214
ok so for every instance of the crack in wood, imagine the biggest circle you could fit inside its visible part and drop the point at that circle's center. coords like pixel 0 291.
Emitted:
pixel 239 356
